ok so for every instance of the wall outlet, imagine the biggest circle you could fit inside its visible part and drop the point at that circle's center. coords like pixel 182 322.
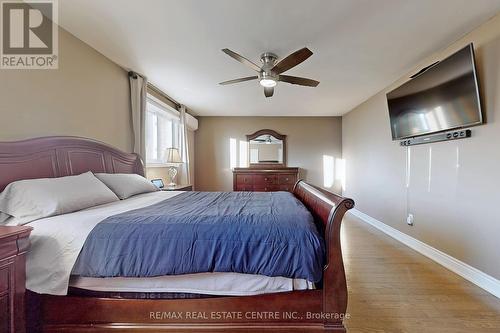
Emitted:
pixel 409 219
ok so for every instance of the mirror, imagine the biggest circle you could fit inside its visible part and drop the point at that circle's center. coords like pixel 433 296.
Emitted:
pixel 266 148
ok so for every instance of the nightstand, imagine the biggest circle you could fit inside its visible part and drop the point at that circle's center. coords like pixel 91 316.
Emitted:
pixel 14 243
pixel 178 188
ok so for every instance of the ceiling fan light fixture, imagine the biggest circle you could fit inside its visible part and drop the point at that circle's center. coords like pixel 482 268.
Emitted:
pixel 271 71
pixel 267 82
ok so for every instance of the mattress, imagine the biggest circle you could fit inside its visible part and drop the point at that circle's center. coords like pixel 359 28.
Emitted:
pixel 222 284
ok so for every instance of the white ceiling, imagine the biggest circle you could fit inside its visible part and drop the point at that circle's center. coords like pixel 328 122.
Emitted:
pixel 360 46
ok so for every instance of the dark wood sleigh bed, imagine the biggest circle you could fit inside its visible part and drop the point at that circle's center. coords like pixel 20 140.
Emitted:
pixel 322 309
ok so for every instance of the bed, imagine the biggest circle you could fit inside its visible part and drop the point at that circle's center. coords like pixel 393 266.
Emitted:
pixel 275 304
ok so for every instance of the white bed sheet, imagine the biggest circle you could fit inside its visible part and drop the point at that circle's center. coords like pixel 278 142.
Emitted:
pixel 226 284
pixel 57 241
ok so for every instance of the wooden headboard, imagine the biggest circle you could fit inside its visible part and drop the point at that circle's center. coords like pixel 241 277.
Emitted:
pixel 58 156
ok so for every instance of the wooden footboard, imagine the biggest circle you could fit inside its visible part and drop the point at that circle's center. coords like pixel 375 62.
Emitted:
pixel 328 210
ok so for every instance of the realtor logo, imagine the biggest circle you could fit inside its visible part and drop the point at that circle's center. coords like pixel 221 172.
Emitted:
pixel 29 35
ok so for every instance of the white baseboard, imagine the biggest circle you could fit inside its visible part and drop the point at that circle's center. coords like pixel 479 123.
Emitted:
pixel 480 279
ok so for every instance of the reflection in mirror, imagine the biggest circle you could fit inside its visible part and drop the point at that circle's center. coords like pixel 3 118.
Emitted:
pixel 266 149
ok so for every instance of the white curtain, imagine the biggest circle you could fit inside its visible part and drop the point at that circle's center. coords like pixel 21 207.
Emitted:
pixel 184 175
pixel 138 93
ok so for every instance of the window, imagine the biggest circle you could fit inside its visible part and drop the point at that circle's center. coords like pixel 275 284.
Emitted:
pixel 162 130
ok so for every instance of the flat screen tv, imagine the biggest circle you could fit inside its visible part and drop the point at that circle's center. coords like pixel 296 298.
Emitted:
pixel 443 97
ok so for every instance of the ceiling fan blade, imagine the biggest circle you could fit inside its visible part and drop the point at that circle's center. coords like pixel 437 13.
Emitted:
pixel 268 91
pixel 298 80
pixel 292 60
pixel 248 78
pixel 241 59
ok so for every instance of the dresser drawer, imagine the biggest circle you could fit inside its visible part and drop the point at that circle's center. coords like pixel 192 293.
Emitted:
pixel 288 179
pixel 244 180
pixel 5 313
pixel 8 248
pixel 286 187
pixel 266 188
pixel 4 279
pixel 265 179
pixel 244 188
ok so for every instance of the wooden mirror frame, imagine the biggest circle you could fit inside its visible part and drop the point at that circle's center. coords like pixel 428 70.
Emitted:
pixel 277 136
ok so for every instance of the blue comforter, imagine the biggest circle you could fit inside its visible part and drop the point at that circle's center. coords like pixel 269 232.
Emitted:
pixel 271 234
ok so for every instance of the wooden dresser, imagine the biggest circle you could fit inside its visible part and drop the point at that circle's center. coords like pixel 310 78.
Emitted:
pixel 14 243
pixel 265 180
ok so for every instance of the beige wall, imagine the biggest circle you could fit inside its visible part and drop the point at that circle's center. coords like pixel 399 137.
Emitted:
pixel 308 139
pixel 454 187
pixel 87 96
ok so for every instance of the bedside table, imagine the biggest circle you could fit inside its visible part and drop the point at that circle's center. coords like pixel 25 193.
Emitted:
pixel 14 243
pixel 178 188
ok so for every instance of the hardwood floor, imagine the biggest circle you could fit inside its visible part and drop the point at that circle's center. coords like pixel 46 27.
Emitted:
pixel 392 288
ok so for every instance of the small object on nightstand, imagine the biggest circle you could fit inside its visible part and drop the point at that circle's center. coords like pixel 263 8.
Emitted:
pixel 14 243
pixel 178 188
pixel 158 183
pixel 173 158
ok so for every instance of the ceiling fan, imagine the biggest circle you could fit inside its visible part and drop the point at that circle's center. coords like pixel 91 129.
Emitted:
pixel 270 72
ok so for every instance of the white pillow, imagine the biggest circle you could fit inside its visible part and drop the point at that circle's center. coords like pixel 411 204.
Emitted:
pixel 126 185
pixel 33 199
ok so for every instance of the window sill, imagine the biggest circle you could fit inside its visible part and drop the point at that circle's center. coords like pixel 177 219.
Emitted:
pixel 157 165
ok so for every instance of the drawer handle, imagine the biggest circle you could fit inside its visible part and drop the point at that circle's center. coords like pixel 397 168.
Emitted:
pixel 265 178
pixel 286 179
